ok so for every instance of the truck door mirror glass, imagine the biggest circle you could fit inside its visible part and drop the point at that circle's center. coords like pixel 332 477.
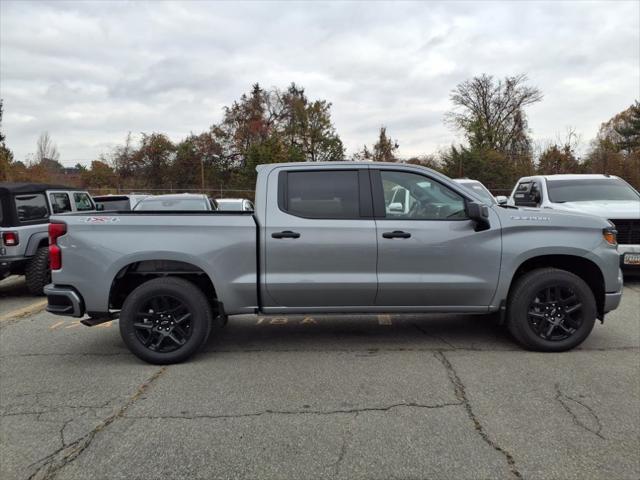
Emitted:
pixel 501 199
pixel 99 207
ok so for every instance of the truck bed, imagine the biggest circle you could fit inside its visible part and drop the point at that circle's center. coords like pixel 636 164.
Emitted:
pixel 101 246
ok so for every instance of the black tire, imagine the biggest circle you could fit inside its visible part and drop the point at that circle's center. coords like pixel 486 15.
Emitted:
pixel 134 324
pixel 37 273
pixel 538 322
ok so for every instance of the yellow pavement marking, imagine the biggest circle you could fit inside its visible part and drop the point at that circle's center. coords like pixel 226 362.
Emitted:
pixel 24 311
pixel 56 325
pixel 384 319
pixel 75 323
pixel 279 321
pixel 105 324
pixel 308 320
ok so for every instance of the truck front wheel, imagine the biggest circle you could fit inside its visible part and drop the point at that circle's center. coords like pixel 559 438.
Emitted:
pixel 165 320
pixel 551 310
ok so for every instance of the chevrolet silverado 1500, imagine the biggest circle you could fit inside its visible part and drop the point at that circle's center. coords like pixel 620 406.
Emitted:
pixel 326 238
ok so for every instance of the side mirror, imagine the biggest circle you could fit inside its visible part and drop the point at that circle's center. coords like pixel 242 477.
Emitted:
pixel 396 207
pixel 502 200
pixel 479 213
pixel 99 207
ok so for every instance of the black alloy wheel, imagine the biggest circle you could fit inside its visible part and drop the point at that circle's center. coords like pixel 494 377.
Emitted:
pixel 164 324
pixel 555 313
pixel 551 310
pixel 166 320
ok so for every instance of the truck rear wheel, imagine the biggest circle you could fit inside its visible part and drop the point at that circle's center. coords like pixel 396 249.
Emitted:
pixel 165 320
pixel 36 272
pixel 551 310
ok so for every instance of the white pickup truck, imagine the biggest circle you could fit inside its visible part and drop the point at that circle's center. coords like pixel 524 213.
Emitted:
pixel 605 196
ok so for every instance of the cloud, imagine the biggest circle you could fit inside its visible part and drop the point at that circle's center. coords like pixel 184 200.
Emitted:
pixel 89 72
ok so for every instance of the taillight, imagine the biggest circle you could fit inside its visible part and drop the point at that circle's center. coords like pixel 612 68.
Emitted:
pixel 55 255
pixel 10 239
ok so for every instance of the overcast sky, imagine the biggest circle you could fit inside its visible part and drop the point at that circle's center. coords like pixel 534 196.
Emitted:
pixel 90 72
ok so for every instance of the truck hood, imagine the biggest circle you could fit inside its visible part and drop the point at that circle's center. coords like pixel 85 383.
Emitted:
pixel 606 209
pixel 549 218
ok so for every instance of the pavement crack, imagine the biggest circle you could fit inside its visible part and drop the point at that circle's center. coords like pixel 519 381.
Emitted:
pixel 386 408
pixel 346 438
pixel 52 463
pixel 461 394
pixel 439 337
pixel 566 401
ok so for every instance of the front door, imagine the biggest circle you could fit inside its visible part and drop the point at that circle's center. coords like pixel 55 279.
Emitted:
pixel 320 240
pixel 429 253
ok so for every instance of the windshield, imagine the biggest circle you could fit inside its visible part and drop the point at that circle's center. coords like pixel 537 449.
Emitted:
pixel 586 190
pixel 480 190
pixel 172 204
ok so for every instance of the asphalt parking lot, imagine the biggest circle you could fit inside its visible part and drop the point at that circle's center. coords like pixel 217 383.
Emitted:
pixel 318 397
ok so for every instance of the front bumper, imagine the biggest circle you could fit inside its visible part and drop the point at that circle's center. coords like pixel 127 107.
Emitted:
pixel 63 301
pixel 612 300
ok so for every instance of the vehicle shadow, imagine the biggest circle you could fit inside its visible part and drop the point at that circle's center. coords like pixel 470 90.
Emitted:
pixel 13 286
pixel 361 333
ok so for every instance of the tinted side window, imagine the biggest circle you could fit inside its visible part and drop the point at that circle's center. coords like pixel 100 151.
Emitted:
pixel 31 207
pixel 323 194
pixel 415 197
pixel 60 202
pixel 527 194
pixel 83 202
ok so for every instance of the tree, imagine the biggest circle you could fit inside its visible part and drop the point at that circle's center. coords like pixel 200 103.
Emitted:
pixel 46 149
pixel 384 150
pixel 99 176
pixel 491 113
pixel 627 126
pixel 560 157
pixel 6 157
pixel 154 159
pixel 615 149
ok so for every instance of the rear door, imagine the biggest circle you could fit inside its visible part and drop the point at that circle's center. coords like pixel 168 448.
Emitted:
pixel 430 255
pixel 320 239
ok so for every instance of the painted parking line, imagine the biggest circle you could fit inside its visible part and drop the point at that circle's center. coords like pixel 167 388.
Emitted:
pixel 384 320
pixel 56 325
pixel 24 311
pixel 285 321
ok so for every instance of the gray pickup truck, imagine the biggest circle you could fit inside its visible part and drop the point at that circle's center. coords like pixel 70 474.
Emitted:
pixel 324 239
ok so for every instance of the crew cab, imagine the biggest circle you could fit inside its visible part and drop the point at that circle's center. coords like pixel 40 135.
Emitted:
pixel 322 239
pixel 606 196
pixel 24 215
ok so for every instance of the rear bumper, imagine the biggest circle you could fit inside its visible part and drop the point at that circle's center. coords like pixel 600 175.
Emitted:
pixel 63 301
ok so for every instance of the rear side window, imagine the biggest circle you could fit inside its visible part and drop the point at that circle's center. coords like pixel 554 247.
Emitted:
pixel 114 204
pixel 60 202
pixel 527 194
pixel 322 194
pixel 31 207
pixel 83 202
